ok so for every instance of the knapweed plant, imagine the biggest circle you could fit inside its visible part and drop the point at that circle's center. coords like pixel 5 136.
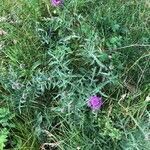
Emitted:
pixel 56 2
pixel 95 102
pixel 74 74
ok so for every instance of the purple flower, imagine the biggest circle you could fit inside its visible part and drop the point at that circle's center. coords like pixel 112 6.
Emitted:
pixel 56 2
pixel 95 102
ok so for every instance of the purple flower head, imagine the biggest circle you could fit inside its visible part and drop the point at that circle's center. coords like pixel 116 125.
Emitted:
pixel 56 2
pixel 95 102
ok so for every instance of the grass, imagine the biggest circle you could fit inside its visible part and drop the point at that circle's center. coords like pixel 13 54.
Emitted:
pixel 52 59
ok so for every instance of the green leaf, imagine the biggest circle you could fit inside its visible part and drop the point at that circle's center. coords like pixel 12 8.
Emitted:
pixel 3 138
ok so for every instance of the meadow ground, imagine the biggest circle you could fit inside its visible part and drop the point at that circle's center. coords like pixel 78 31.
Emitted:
pixel 53 58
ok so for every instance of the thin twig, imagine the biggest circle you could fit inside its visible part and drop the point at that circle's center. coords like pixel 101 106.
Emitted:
pixel 133 45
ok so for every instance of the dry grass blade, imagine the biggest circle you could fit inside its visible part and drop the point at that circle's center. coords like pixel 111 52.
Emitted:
pixel 2 32
pixel 49 145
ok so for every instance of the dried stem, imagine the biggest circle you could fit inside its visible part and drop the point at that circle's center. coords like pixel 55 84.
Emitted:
pixel 133 45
